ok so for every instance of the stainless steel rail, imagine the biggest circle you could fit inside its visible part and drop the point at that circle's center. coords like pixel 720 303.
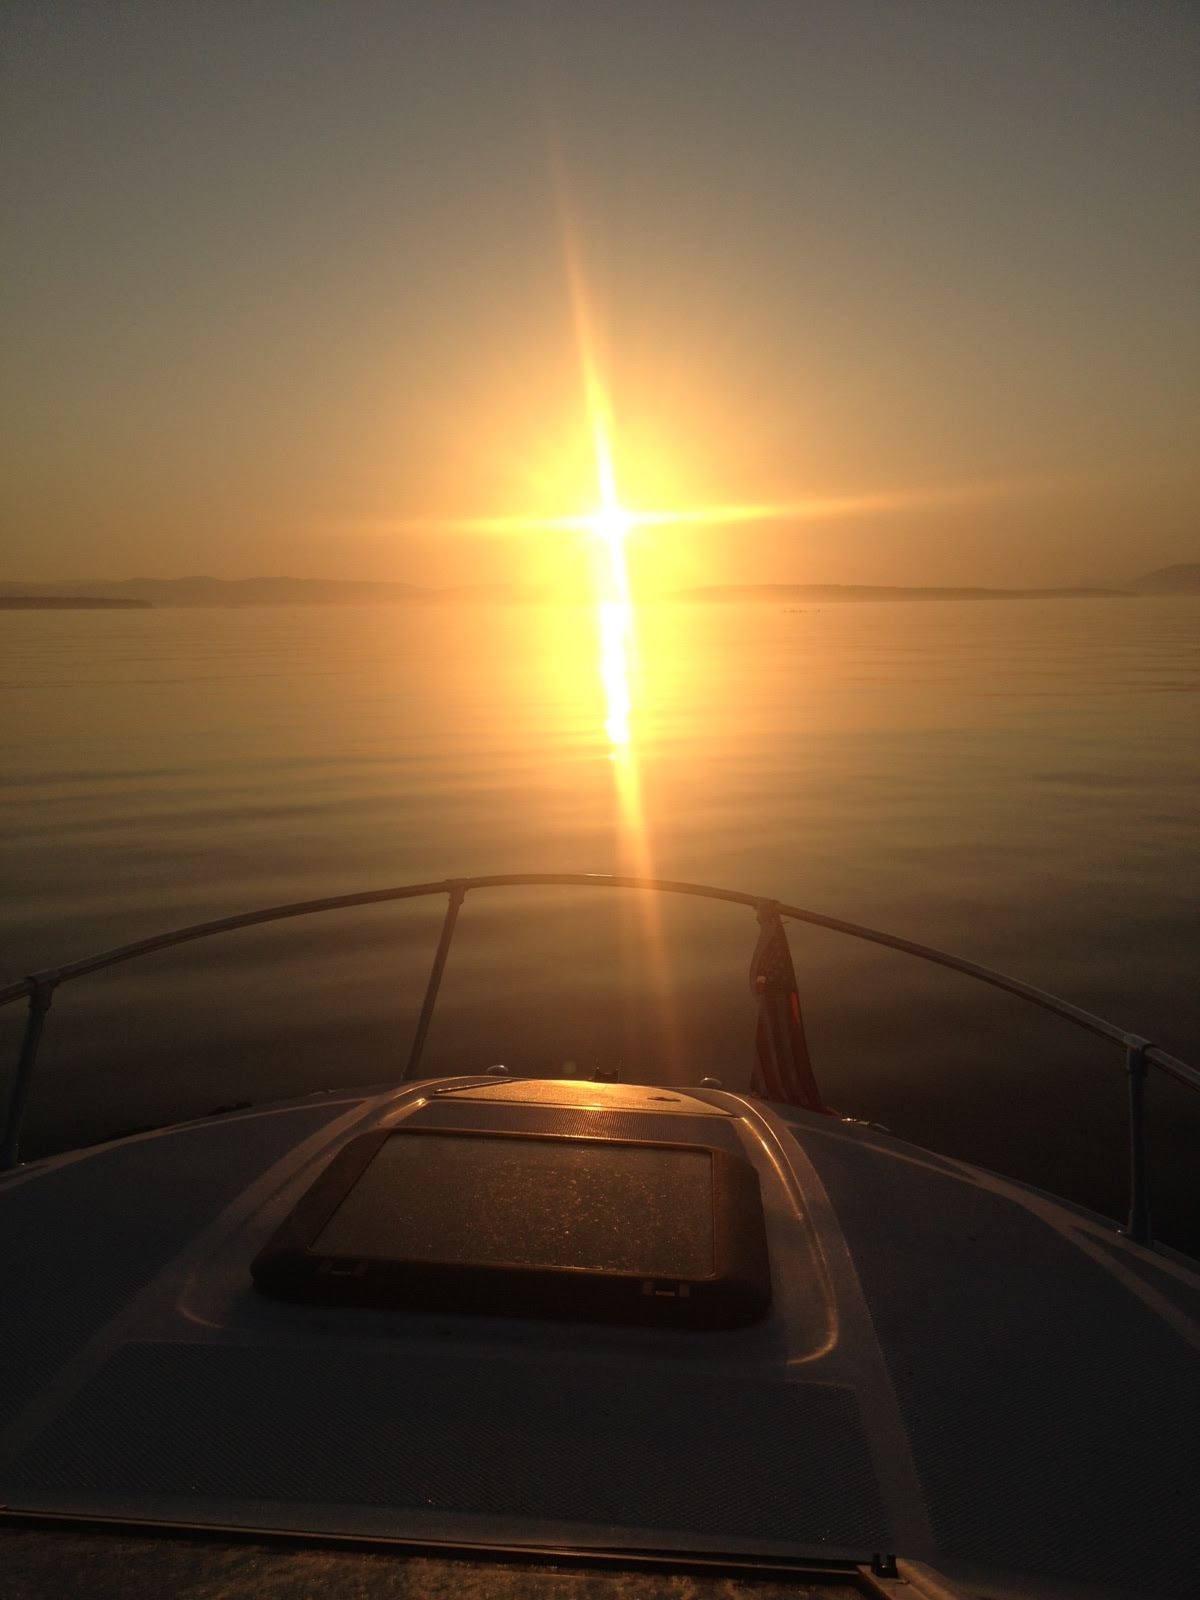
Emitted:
pixel 1140 1054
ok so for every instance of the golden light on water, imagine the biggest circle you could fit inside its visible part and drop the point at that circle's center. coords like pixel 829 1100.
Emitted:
pixel 609 525
pixel 603 534
pixel 615 627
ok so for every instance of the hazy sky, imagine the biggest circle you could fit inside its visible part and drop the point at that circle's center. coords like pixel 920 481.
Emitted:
pixel 278 278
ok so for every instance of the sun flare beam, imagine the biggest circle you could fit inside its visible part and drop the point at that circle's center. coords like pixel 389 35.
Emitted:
pixel 611 517
pixel 604 532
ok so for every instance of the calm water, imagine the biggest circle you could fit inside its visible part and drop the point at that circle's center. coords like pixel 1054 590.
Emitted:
pixel 1014 781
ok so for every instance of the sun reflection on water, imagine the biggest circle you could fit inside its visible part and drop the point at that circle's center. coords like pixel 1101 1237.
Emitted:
pixel 609 525
pixel 614 603
pixel 615 628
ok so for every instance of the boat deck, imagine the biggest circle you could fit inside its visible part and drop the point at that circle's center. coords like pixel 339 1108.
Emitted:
pixel 954 1367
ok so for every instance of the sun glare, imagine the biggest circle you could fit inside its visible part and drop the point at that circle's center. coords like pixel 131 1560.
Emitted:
pixel 604 532
pixel 609 526
pixel 614 671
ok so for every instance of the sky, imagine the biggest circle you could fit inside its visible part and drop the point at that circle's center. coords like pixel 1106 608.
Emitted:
pixel 286 288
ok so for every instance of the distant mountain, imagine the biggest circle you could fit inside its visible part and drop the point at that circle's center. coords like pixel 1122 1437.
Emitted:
pixel 1183 578
pixel 68 602
pixel 263 591
pixel 862 591
pixel 221 592
pixel 349 592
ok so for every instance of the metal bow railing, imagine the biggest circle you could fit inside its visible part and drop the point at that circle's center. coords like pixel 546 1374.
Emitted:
pixel 39 987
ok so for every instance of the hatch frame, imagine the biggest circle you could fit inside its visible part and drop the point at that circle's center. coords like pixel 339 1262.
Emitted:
pixel 735 1294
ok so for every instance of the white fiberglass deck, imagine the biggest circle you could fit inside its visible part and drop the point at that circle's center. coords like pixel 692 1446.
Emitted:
pixel 955 1368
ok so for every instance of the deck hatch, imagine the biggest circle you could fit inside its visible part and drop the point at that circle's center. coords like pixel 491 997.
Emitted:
pixel 528 1225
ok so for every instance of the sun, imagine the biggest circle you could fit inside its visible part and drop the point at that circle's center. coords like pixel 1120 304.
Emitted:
pixel 610 524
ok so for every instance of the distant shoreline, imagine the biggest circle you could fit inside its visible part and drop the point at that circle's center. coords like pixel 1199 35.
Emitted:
pixel 728 594
pixel 142 593
pixel 849 592
pixel 69 602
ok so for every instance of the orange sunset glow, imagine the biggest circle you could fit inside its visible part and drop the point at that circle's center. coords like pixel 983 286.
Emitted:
pixel 808 309
pixel 582 576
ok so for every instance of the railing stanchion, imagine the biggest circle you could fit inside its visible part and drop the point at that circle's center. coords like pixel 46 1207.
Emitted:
pixel 40 997
pixel 782 1066
pixel 1138 1227
pixel 458 891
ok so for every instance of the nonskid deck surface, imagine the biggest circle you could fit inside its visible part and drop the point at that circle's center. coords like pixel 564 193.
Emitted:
pixel 954 1367
pixel 120 1565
